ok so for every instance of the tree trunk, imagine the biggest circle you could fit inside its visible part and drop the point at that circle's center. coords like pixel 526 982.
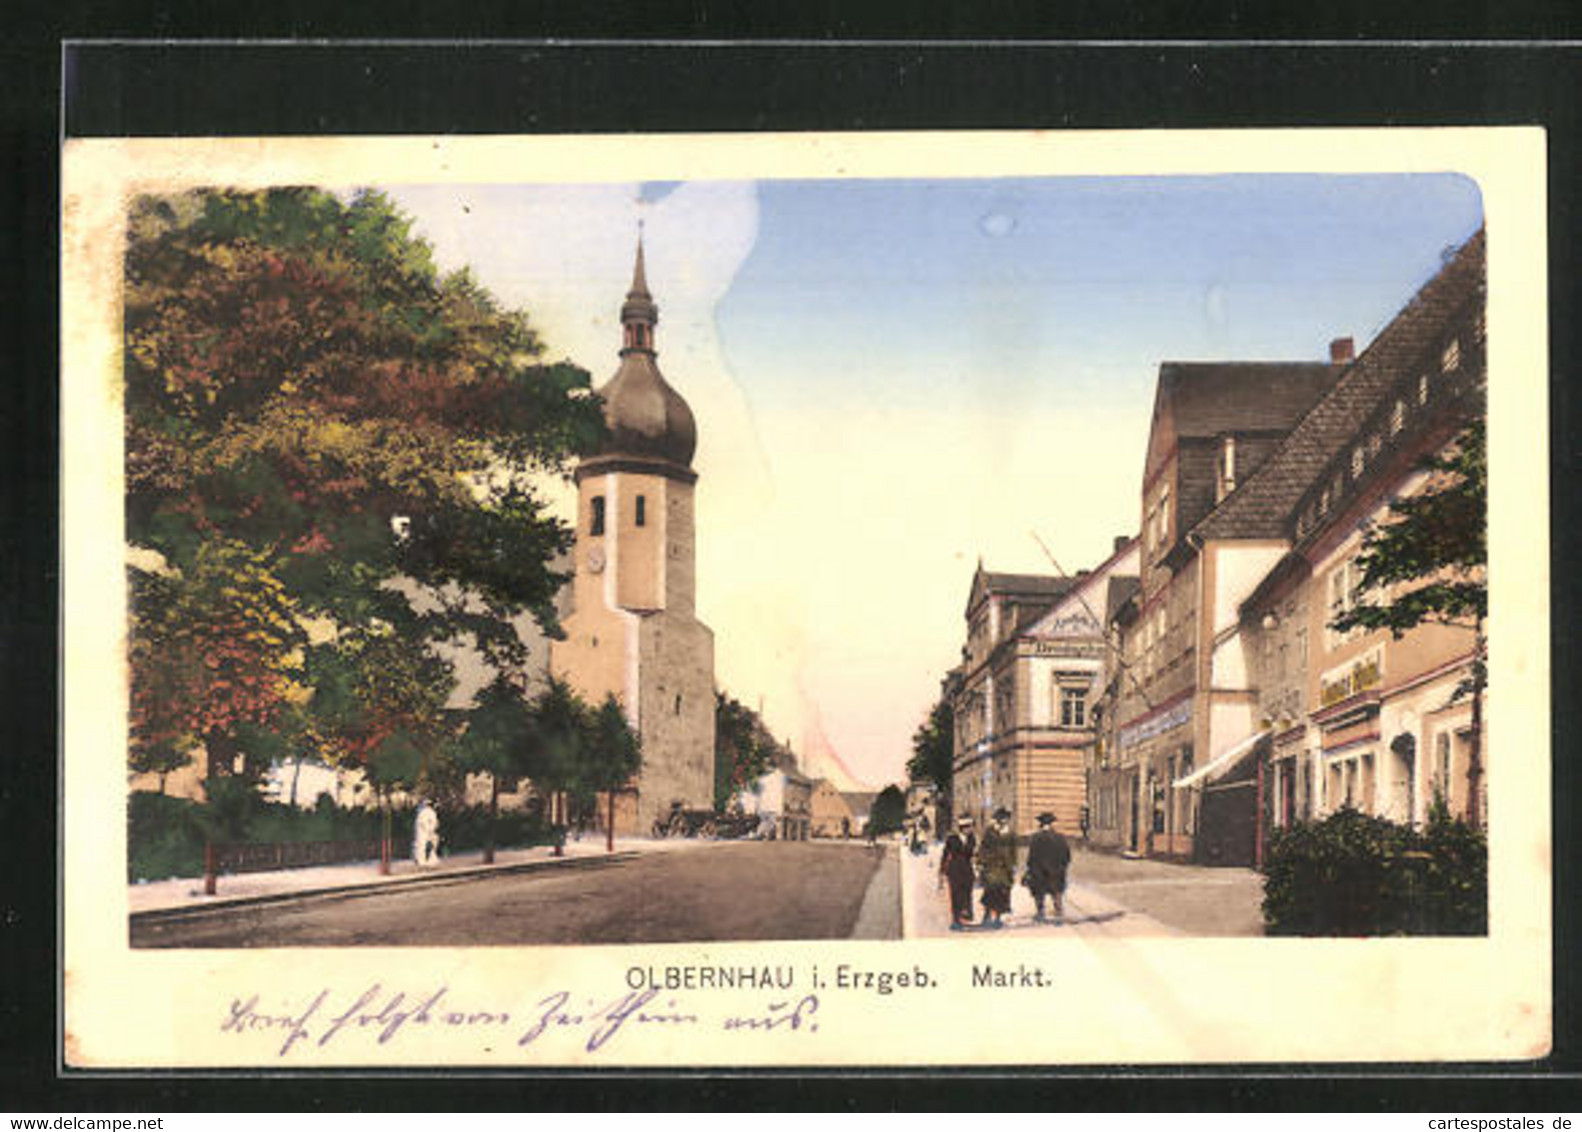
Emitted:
pixel 609 832
pixel 494 811
pixel 296 774
pixel 1475 746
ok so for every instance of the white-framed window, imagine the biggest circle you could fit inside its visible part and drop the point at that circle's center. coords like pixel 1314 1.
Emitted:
pixel 1450 359
pixel 1398 417
pixel 1073 706
pixel 1227 468
pixel 1422 389
pixel 1343 584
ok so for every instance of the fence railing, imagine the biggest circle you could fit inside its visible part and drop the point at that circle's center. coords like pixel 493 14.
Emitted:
pixel 257 857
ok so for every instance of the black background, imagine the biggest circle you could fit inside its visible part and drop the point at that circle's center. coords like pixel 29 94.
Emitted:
pixel 823 80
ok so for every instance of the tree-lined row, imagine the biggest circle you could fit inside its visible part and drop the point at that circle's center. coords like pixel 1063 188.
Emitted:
pixel 332 458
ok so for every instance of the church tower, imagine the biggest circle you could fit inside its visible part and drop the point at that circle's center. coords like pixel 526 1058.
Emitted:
pixel 632 629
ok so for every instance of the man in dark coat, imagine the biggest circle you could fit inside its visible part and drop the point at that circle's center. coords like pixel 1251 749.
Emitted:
pixel 1048 857
pixel 955 868
pixel 997 863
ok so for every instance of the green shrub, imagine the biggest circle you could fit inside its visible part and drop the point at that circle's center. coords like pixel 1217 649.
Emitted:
pixel 1353 874
pixel 164 837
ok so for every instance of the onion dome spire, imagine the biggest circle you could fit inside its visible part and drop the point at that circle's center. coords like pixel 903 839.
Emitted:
pixel 639 313
pixel 651 425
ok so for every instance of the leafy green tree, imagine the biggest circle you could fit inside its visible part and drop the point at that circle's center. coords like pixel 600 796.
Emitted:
pixel 501 740
pixel 324 433
pixel 743 749
pixel 933 750
pixel 888 812
pixel 1429 564
pixel 612 755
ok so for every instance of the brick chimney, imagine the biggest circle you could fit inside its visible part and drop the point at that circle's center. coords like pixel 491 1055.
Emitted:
pixel 1341 352
pixel 1120 543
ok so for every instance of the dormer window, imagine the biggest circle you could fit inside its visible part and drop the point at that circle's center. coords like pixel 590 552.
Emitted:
pixel 1450 360
pixel 1357 459
pixel 1422 389
pixel 596 527
pixel 1227 468
pixel 1398 417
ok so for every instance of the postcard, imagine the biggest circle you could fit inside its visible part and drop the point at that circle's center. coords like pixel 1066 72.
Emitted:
pixel 826 600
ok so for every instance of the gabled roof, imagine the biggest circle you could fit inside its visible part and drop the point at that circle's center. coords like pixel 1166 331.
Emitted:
pixel 1198 402
pixel 1207 399
pixel 1033 587
pixel 1263 504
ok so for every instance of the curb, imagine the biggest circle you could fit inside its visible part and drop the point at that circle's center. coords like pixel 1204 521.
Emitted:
pixel 373 888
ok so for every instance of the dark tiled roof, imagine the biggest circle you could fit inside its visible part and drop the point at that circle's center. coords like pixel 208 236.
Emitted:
pixel 1262 505
pixel 1210 398
pixel 1121 590
pixel 1027 585
pixel 1042 588
pixel 1256 401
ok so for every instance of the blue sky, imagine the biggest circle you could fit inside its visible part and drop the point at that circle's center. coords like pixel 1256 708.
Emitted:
pixel 1076 287
pixel 893 378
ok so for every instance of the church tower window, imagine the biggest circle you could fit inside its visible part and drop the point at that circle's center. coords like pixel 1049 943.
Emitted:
pixel 597 526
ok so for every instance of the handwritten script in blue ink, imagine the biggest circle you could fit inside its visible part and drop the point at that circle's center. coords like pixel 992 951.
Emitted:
pixel 384 1015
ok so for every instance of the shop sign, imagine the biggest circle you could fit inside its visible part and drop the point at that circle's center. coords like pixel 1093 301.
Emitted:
pixel 1166 720
pixel 1362 674
pixel 1071 648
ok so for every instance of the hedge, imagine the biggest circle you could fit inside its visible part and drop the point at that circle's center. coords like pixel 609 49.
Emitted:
pixel 1353 874
pixel 165 836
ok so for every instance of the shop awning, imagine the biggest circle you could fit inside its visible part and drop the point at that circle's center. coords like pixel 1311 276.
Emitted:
pixel 1212 770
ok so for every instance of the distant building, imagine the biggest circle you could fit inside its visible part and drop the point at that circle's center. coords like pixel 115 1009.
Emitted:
pixel 632 630
pixel 860 803
pixel 829 813
pixel 782 799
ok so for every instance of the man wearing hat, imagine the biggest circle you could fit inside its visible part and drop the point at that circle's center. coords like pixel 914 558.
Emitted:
pixel 997 861
pixel 1048 857
pixel 955 867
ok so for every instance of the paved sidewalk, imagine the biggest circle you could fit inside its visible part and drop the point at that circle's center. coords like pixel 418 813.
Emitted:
pixel 187 892
pixel 925 908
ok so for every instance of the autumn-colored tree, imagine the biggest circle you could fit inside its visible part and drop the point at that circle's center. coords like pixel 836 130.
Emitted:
pixel 743 748
pixel 331 453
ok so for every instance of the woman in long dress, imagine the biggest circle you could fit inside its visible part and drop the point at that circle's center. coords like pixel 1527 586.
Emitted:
pixel 997 861
pixel 955 869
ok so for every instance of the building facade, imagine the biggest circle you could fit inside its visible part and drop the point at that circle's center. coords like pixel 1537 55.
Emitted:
pixel 1366 720
pixel 1176 697
pixel 632 629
